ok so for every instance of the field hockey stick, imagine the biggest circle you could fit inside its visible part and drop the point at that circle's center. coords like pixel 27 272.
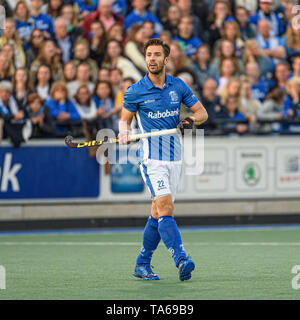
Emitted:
pixel 134 137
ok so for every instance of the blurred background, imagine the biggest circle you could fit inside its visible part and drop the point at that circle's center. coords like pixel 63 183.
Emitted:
pixel 64 69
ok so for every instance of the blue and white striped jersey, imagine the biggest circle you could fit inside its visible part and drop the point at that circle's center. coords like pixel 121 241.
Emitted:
pixel 159 109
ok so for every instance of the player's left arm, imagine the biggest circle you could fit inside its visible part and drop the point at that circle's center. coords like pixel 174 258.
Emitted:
pixel 199 113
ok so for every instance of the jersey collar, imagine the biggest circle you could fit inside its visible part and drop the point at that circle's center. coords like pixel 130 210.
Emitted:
pixel 150 85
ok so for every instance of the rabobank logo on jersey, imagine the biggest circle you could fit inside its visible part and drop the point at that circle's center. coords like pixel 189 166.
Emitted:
pixel 165 114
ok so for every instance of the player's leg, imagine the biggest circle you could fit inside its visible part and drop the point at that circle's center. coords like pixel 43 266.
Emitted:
pixel 151 237
pixel 168 228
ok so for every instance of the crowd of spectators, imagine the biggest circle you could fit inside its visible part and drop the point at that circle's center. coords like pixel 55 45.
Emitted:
pixel 65 65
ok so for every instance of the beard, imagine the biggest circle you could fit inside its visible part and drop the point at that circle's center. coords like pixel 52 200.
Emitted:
pixel 158 70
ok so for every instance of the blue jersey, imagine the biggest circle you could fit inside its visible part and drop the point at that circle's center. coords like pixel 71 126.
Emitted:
pixel 43 22
pixel 159 109
pixel 189 46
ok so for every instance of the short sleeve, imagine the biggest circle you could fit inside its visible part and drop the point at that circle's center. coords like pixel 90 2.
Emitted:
pixel 188 97
pixel 130 100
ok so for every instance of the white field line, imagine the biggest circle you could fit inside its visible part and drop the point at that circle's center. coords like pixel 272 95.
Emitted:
pixel 74 243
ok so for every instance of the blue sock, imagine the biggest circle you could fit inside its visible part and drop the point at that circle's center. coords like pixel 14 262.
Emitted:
pixel 171 237
pixel 151 238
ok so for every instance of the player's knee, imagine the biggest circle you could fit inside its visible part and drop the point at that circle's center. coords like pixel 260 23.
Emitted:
pixel 165 206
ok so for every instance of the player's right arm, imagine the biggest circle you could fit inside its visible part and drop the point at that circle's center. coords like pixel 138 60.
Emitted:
pixel 130 107
pixel 124 126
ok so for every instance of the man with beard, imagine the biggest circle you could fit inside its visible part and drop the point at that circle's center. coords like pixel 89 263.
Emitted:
pixel 155 101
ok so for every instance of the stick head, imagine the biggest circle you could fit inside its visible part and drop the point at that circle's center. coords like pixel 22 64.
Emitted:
pixel 68 141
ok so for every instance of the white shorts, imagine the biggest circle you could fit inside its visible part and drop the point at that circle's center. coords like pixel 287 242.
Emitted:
pixel 161 177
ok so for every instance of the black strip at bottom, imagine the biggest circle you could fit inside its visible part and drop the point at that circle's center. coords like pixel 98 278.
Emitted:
pixel 191 221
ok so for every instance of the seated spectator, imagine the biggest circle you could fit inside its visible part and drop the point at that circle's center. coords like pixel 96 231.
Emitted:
pixel 83 76
pixel 10 36
pixel 41 121
pixel 292 101
pixel 253 53
pixel 36 40
pixel 21 87
pixel 43 81
pixel 249 106
pixel 8 50
pixel 134 47
pixel 103 13
pixel 189 44
pixel 292 41
pixel 203 68
pixel 166 37
pixel 119 97
pixel 114 59
pixel 85 7
pixel 97 41
pixel 171 20
pixel 69 72
pixel 42 21
pixel 249 5
pixel 272 46
pixel 73 25
pixel 227 51
pixel 104 74
pixel 140 14
pixel 24 24
pixel 116 32
pixel 246 28
pixel 228 69
pixel 104 100
pixel 149 30
pixel 296 66
pixel 271 109
pixel 259 86
pixel 232 33
pixel 281 76
pixel 47 54
pixel 177 59
pixel 265 12
pixel 14 118
pixel 116 78
pixel 63 40
pixel 52 8
pixel 61 108
pixel 232 89
pixel 85 105
pixel 234 120
pixel 220 14
pixel 82 54
pixel 185 7
pixel 5 71
pixel 211 102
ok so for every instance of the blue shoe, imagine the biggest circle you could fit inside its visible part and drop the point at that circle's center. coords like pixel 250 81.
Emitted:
pixel 185 268
pixel 144 271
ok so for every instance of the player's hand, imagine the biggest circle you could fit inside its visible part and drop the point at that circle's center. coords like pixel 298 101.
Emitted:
pixel 124 137
pixel 186 123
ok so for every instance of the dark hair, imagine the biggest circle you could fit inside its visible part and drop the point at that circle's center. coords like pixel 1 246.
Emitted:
pixel 277 94
pixel 34 96
pixel 157 42
pixel 83 86
pixel 111 95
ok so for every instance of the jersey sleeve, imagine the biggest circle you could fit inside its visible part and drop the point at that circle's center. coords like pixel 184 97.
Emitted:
pixel 130 100
pixel 188 97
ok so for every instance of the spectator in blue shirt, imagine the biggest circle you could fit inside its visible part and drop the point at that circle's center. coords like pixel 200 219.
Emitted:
pixel 292 100
pixel 188 43
pixel 61 108
pixel 24 23
pixel 41 21
pixel 140 14
pixel 246 28
pixel 119 7
pixel 258 85
pixel 281 76
pixel 272 46
pixel 265 12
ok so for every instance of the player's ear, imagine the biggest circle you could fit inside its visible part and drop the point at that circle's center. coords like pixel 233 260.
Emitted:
pixel 166 60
